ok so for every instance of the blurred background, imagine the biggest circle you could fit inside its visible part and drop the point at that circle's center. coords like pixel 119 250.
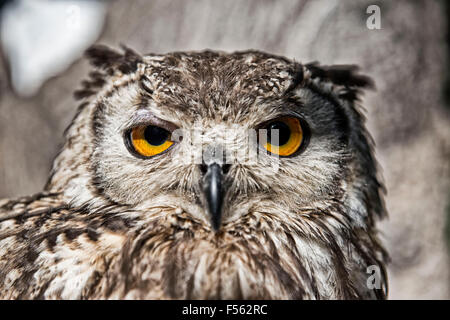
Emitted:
pixel 41 46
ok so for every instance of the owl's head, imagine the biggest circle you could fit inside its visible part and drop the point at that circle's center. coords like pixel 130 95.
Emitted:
pixel 222 138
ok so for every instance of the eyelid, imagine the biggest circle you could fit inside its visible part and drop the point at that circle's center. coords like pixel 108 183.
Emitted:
pixel 145 118
pixel 285 114
pixel 267 122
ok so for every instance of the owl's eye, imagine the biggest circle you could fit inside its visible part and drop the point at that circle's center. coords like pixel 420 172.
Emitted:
pixel 290 136
pixel 150 140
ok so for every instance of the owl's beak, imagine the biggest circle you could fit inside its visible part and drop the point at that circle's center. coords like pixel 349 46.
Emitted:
pixel 214 193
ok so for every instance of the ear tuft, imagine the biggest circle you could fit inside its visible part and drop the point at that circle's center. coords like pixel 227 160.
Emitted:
pixel 107 59
pixel 102 57
pixel 344 75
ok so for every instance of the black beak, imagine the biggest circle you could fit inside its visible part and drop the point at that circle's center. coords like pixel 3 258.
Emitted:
pixel 214 193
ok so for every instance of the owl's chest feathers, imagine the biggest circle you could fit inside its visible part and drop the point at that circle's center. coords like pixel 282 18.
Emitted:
pixel 163 255
pixel 54 260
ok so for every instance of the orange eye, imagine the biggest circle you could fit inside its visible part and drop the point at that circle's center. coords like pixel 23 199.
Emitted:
pixel 284 136
pixel 150 140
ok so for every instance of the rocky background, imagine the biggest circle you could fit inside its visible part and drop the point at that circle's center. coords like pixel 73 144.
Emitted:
pixel 408 114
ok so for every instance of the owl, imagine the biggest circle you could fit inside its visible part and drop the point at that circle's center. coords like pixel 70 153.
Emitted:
pixel 204 175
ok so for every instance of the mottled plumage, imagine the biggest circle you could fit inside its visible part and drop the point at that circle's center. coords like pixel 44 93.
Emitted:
pixel 113 225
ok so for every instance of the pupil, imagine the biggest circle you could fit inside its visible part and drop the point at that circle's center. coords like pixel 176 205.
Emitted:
pixel 156 136
pixel 283 131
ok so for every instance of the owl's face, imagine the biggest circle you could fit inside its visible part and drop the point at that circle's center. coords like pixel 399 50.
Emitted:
pixel 152 137
pixel 244 145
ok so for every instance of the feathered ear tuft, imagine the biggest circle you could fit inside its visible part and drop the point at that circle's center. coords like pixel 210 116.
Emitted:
pixel 345 76
pixel 107 62
pixel 107 59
